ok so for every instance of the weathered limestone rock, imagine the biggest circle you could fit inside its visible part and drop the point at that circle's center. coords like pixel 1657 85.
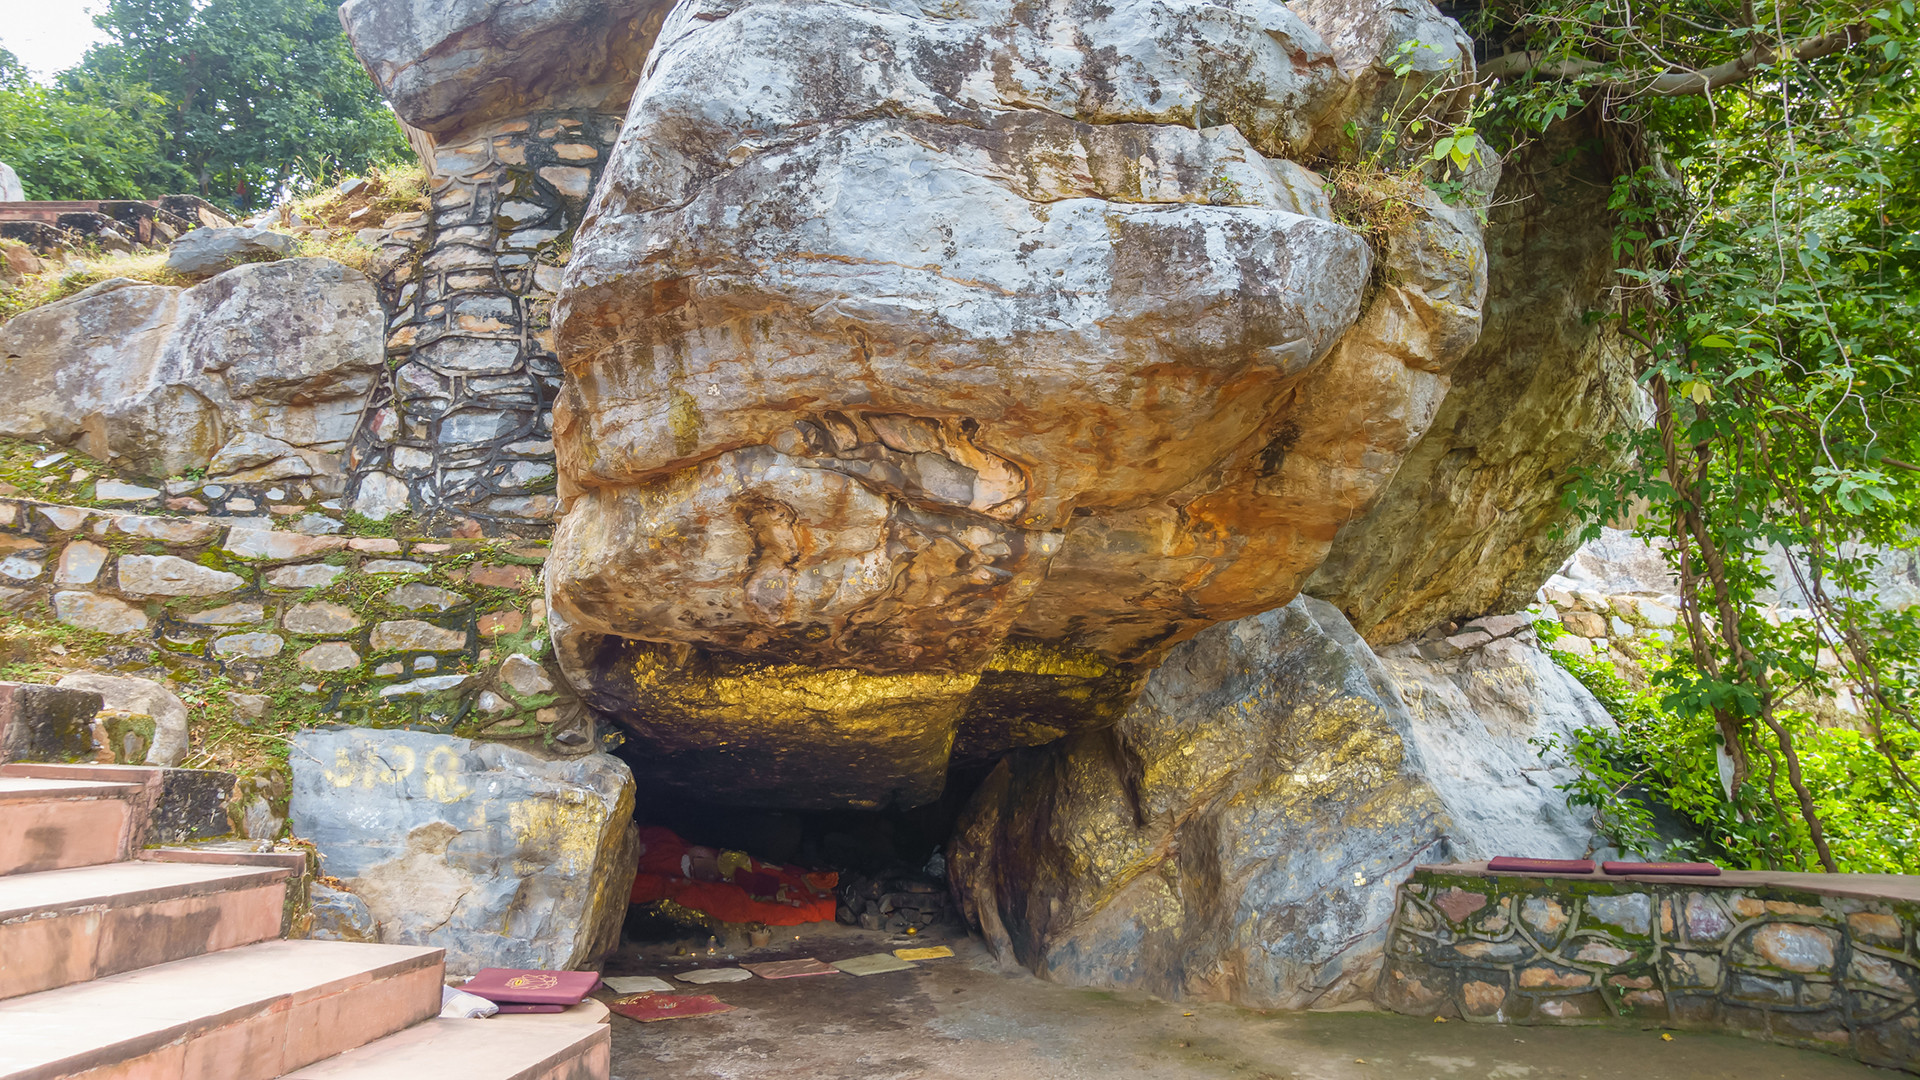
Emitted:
pixel 80 563
pixel 307 576
pixel 46 723
pixel 104 614
pixel 1467 525
pixel 934 372
pixel 1240 833
pixel 117 491
pixel 17 261
pixel 525 675
pixel 1476 721
pixel 330 656
pixel 501 858
pixel 410 635
pixel 140 697
pixel 206 252
pixel 447 65
pixel 415 596
pixel 257 645
pixel 319 617
pixel 162 379
pixel 171 575
pixel 339 915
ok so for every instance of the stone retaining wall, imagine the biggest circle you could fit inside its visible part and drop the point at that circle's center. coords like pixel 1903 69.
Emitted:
pixel 1774 962
pixel 462 425
pixel 438 635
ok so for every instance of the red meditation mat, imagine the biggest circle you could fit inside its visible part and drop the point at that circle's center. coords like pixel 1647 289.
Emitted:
pixel 523 987
pixel 1663 869
pixel 748 890
pixel 518 1010
pixel 1541 866
pixel 791 969
pixel 650 1007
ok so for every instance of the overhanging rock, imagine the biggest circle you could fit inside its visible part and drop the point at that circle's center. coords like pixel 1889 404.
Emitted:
pixel 932 372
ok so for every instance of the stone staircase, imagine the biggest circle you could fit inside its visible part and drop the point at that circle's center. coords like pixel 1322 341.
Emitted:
pixel 133 964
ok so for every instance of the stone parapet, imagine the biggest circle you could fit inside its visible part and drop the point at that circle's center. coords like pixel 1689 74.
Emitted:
pixel 1821 961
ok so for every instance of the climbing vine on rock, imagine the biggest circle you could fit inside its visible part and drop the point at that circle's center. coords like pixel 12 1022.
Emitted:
pixel 1767 214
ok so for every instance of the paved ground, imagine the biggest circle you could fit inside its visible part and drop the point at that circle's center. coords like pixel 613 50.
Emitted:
pixel 966 1019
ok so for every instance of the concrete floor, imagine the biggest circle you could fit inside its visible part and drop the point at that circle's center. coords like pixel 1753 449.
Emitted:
pixel 967 1019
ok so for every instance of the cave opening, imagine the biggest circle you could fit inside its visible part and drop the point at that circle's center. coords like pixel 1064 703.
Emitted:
pixel 714 877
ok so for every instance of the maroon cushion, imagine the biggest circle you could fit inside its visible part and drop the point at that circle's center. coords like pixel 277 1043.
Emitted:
pixel 1663 869
pixel 526 987
pixel 1542 866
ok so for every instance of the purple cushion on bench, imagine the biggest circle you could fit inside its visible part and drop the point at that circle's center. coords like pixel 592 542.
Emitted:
pixel 1663 869
pixel 1542 866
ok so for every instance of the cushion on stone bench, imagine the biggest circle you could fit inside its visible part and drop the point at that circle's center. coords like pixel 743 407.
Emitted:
pixel 1663 869
pixel 1541 866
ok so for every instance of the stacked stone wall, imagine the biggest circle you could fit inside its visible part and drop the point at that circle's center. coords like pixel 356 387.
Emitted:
pixel 1833 973
pixel 440 635
pixel 460 431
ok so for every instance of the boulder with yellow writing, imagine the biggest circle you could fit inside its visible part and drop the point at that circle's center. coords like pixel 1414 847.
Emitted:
pixel 498 856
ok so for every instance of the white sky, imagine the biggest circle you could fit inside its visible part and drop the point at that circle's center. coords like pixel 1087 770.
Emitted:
pixel 47 35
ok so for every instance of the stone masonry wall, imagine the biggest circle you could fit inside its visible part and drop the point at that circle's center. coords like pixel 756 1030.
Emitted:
pixel 460 431
pixel 1831 973
pixel 445 636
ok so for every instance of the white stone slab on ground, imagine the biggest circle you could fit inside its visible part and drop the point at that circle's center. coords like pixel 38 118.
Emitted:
pixel 875 964
pixel 638 984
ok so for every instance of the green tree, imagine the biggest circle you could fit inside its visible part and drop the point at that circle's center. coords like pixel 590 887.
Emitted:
pixel 1769 238
pixel 96 140
pixel 264 96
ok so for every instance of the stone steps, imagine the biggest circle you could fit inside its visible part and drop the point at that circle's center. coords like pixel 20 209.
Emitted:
pixel 498 1049
pixel 249 1013
pixel 57 824
pixel 167 805
pixel 121 961
pixel 59 927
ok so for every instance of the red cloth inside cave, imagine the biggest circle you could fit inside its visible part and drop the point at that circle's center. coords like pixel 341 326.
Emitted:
pixel 730 885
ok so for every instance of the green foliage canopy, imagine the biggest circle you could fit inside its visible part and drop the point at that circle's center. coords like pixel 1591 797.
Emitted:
pixel 238 100
pixel 91 141
pixel 1769 237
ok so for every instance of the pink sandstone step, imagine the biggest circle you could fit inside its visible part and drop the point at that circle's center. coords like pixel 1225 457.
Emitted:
pixel 66 926
pixel 152 798
pixel 250 1013
pixel 55 824
pixel 495 1049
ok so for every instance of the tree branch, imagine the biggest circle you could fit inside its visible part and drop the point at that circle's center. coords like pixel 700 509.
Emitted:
pixel 1676 83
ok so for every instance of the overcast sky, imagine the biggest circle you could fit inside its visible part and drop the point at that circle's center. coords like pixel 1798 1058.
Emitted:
pixel 47 35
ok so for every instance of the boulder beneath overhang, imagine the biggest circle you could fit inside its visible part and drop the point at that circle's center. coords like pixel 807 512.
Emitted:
pixel 1239 835
pixel 500 857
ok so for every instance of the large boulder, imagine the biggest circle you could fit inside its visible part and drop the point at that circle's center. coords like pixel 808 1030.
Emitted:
pixel 205 252
pixel 1239 835
pixel 159 379
pixel 448 64
pixel 934 371
pixel 500 857
pixel 1475 519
